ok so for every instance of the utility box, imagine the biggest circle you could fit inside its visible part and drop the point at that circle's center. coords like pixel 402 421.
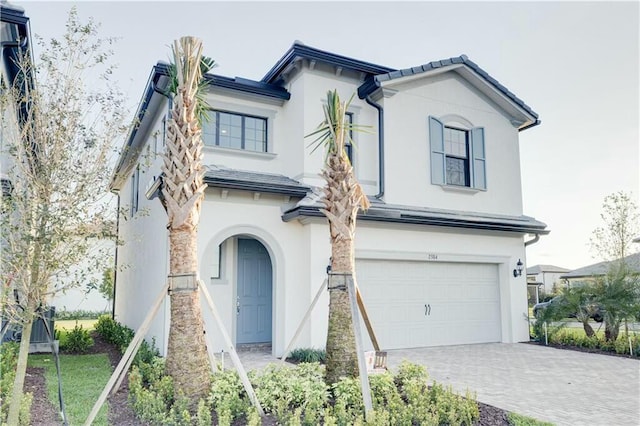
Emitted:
pixel 39 331
pixel 39 341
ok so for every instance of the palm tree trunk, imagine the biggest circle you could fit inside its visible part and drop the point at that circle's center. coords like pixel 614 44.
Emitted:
pixel 611 330
pixel 343 196
pixel 342 199
pixel 187 359
pixel 588 329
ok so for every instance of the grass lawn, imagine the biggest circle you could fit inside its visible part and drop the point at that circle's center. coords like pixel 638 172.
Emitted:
pixel 87 324
pixel 520 420
pixel 83 378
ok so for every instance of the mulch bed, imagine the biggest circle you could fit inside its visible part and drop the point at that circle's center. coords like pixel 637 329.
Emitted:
pixel 43 412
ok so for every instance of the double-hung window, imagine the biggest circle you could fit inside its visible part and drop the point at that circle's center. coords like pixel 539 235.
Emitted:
pixel 237 131
pixel 457 155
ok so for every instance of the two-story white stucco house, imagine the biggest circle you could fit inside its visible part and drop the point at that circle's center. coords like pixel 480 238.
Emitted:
pixel 435 253
pixel 544 279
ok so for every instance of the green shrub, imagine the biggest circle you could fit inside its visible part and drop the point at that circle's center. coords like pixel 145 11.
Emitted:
pixel 113 332
pixel 78 341
pixel 8 363
pixel 299 396
pixel 347 397
pixel 227 396
pixel 121 336
pixel 308 355
pixel 147 353
pixel 153 399
pixel 282 390
pixel 387 401
pixel 576 338
pixel 79 314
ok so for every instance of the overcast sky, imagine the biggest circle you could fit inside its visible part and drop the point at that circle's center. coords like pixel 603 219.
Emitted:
pixel 575 64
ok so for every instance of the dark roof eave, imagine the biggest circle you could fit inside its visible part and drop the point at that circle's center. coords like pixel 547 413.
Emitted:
pixel 238 84
pixel 293 191
pixel 310 211
pixel 299 50
pixel 150 88
pixel 13 16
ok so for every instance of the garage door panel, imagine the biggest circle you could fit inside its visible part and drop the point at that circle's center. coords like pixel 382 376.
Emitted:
pixel 464 302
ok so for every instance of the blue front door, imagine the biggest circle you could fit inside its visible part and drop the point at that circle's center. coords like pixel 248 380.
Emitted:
pixel 254 293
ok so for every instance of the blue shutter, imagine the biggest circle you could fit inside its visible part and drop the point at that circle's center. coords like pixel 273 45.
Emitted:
pixel 479 160
pixel 436 139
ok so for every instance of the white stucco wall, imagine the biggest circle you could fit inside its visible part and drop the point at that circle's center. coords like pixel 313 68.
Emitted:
pixel 142 258
pixel 549 279
pixel 407 153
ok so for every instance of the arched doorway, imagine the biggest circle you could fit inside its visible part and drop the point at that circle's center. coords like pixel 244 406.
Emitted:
pixel 254 291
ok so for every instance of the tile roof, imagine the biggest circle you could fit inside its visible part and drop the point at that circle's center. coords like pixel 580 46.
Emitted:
pixel 222 177
pixel 545 268
pixel 601 268
pixel 375 81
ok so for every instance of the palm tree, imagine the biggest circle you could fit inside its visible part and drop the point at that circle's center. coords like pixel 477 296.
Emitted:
pixel 618 294
pixel 343 198
pixel 187 359
pixel 580 301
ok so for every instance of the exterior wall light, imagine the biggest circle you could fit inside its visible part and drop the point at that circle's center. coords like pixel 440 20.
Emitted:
pixel 518 271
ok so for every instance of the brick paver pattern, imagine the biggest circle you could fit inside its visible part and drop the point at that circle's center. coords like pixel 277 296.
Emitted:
pixel 560 386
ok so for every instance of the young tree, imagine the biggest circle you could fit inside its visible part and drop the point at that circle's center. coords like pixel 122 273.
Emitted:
pixel 614 240
pixel 59 145
pixel 579 301
pixel 343 198
pixel 187 359
pixel 106 285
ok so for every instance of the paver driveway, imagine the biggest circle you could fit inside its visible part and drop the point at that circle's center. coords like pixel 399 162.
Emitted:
pixel 561 386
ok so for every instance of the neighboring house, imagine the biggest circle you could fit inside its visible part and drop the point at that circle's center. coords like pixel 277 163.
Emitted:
pixel 544 279
pixel 591 272
pixel 16 35
pixel 435 253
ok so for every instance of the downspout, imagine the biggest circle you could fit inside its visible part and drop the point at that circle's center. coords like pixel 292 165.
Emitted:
pixel 532 241
pixel 380 193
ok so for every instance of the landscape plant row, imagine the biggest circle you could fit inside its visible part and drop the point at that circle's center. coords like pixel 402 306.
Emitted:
pixel 78 314
pixel 121 335
pixel 8 362
pixel 623 345
pixel 299 396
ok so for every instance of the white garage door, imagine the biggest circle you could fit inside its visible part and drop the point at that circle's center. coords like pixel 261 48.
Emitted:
pixel 413 304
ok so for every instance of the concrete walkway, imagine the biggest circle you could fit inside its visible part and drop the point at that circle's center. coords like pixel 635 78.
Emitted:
pixel 560 386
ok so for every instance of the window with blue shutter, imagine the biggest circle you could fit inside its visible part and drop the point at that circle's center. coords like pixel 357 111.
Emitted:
pixel 436 138
pixel 478 154
pixel 457 155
